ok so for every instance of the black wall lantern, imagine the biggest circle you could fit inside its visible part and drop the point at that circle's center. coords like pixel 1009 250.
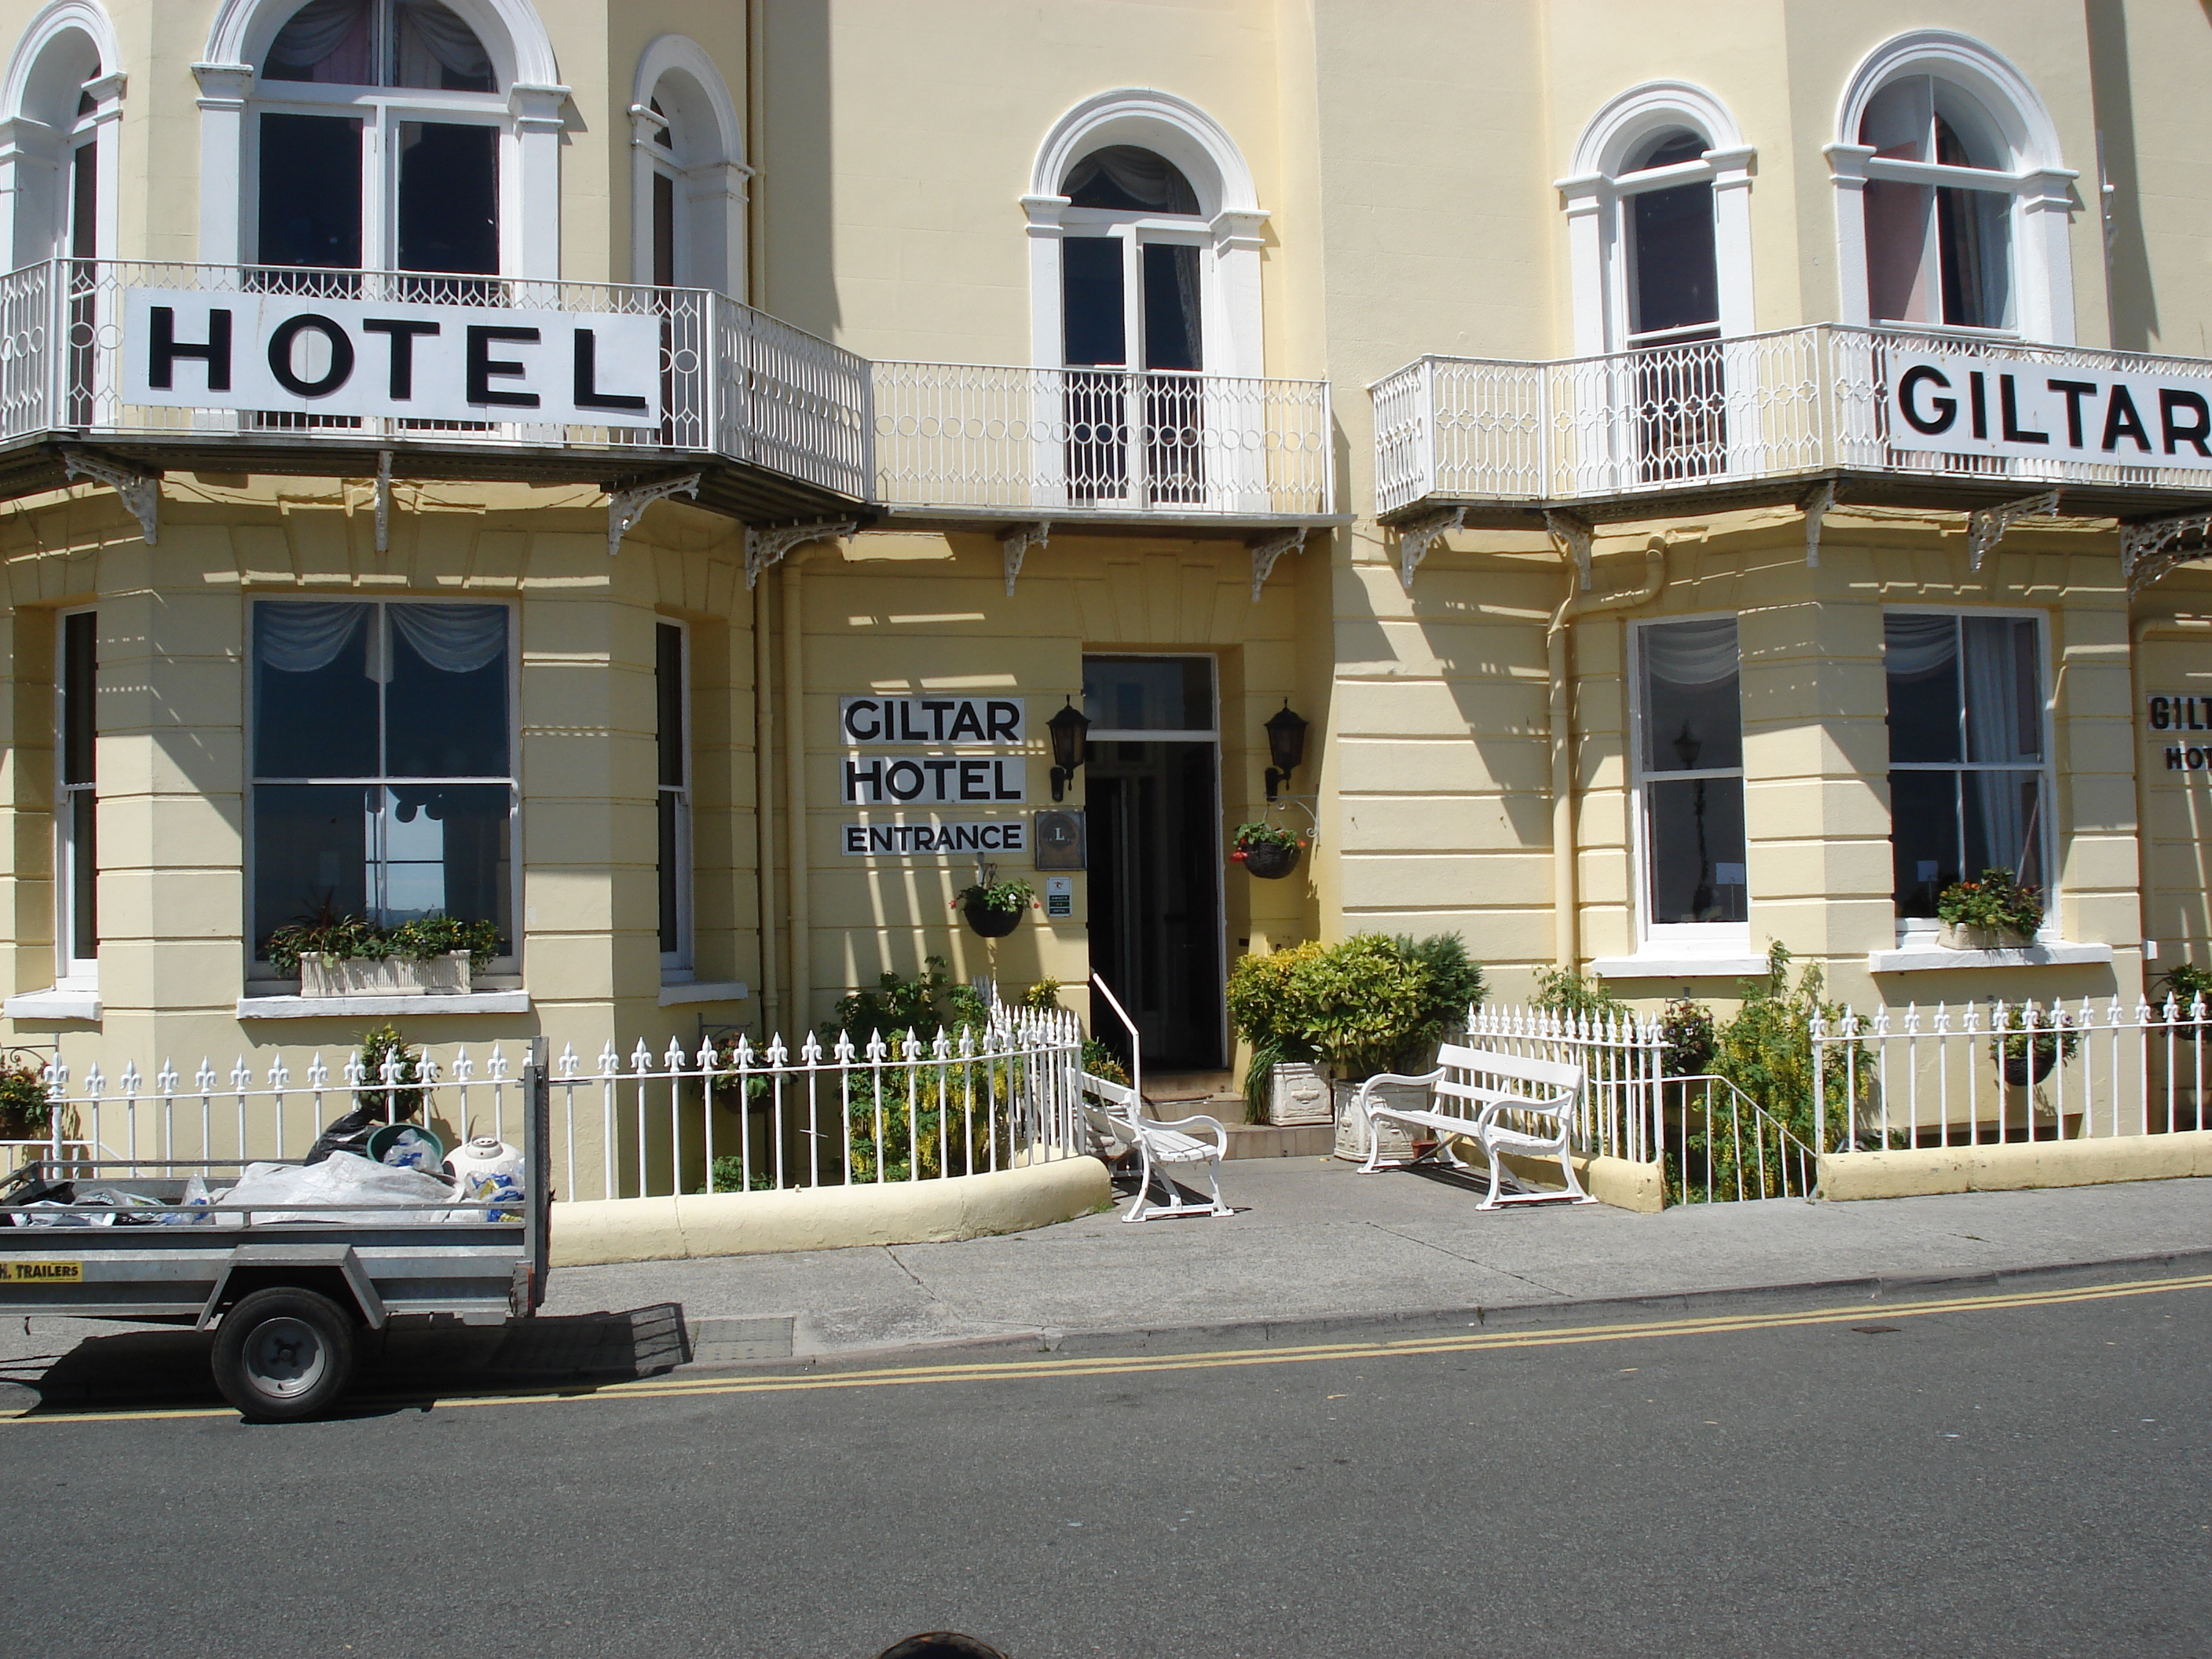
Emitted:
pixel 1069 729
pixel 1286 746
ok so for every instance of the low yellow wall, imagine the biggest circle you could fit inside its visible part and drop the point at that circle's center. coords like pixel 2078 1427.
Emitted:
pixel 1614 1180
pixel 827 1218
pixel 2010 1168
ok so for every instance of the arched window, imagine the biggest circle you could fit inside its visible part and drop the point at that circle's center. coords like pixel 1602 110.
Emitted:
pixel 1130 286
pixel 687 177
pixel 1952 210
pixel 1659 221
pixel 409 135
pixel 63 102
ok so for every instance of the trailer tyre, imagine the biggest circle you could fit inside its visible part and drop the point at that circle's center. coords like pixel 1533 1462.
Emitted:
pixel 283 1354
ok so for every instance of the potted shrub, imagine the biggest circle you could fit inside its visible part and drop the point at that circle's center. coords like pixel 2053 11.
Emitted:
pixel 337 956
pixel 1266 850
pixel 1282 1087
pixel 2027 1055
pixel 1990 914
pixel 994 908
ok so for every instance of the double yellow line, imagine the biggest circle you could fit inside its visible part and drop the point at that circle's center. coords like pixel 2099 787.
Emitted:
pixel 1045 1368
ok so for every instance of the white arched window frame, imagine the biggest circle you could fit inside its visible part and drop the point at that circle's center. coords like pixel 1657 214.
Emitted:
pixel 1229 237
pixel 61 111
pixel 2040 186
pixel 527 114
pixel 1602 181
pixel 685 131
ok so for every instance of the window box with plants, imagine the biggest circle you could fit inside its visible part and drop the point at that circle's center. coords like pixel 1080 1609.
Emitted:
pixel 1994 913
pixel 352 957
pixel 1266 850
pixel 994 908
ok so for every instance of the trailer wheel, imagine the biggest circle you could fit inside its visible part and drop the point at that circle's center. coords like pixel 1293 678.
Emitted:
pixel 282 1354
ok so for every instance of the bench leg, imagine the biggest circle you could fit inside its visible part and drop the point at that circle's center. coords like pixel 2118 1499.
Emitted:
pixel 1213 1181
pixel 1144 1184
pixel 1574 1181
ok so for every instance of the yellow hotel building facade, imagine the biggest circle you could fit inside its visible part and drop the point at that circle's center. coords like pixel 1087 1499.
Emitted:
pixel 647 476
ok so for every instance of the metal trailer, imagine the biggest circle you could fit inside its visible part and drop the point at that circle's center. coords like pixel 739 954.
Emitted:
pixel 289 1302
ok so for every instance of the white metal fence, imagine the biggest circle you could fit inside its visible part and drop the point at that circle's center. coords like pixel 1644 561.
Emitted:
pixel 710 1115
pixel 1062 440
pixel 1755 406
pixel 1981 1074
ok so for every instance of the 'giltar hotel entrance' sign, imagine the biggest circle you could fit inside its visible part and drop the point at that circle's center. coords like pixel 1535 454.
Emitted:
pixel 2048 411
pixel 293 353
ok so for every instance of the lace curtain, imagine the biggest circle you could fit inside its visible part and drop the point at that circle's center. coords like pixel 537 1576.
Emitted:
pixel 1691 654
pixel 1127 179
pixel 305 637
pixel 452 42
pixel 329 40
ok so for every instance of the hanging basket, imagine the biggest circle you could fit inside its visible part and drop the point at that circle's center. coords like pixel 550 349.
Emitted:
pixel 1269 860
pixel 2022 1070
pixel 990 923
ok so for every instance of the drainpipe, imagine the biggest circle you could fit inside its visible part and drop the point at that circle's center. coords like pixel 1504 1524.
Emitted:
pixel 2142 630
pixel 797 874
pixel 1558 642
pixel 764 808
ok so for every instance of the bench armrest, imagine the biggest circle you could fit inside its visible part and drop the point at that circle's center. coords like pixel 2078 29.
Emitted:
pixel 1559 1107
pixel 1426 1078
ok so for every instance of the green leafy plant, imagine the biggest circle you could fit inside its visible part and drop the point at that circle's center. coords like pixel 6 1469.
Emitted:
pixel 1260 833
pixel 1044 997
pixel 1561 991
pixel 1767 1051
pixel 1006 897
pixel 1370 1004
pixel 2184 984
pixel 346 937
pixel 26 1112
pixel 1994 900
pixel 929 1002
pixel 377 1046
pixel 2024 1055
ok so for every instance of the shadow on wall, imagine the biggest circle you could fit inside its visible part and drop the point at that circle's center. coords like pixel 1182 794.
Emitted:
pixel 796 188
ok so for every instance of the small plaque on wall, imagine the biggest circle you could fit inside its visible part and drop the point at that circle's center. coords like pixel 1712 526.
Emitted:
pixel 1058 840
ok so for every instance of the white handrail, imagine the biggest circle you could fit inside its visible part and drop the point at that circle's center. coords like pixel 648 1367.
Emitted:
pixel 1136 1043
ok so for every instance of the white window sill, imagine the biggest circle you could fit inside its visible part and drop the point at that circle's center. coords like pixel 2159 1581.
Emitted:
pixel 704 990
pixel 475 1002
pixel 1656 964
pixel 54 1004
pixel 1918 953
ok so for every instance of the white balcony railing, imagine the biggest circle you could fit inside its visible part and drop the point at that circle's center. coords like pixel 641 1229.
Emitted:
pixel 1735 412
pixel 1100 440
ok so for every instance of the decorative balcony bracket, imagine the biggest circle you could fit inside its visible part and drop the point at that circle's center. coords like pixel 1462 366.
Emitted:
pixel 766 547
pixel 626 507
pixel 1416 538
pixel 141 492
pixel 1986 526
pixel 1574 536
pixel 1014 546
pixel 2147 551
pixel 1818 506
pixel 1264 554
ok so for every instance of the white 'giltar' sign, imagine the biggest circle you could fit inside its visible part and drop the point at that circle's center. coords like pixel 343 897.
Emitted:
pixel 309 355
pixel 2048 411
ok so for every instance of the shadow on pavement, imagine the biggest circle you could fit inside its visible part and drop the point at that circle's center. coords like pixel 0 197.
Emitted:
pixel 156 1368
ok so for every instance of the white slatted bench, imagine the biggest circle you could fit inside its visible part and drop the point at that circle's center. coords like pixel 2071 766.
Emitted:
pixel 1504 1103
pixel 1116 1117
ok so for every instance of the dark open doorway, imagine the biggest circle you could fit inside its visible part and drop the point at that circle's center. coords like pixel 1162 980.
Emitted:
pixel 1153 789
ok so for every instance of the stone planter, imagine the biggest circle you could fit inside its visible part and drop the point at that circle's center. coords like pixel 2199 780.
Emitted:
pixel 1970 936
pixel 325 975
pixel 1269 860
pixel 1353 1125
pixel 1296 1095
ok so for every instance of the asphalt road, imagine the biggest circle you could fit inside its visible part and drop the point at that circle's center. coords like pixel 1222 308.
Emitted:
pixel 2029 1474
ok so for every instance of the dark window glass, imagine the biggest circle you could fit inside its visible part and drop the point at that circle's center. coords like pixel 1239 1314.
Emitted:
pixel 1692 712
pixel 310 852
pixel 1695 828
pixel 314 704
pixel 1925 700
pixel 1149 694
pixel 668 688
pixel 310 210
pixel 1676 283
pixel 448 197
pixel 664 231
pixel 80 664
pixel 84 201
pixel 78 742
pixel 1923 837
pixel 442 848
pixel 1124 179
pixel 446 707
pixel 1172 325
pixel 84 874
pixel 1091 301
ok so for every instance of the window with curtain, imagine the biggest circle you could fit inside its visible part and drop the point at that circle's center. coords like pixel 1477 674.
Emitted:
pixel 1131 298
pixel 353 173
pixel 671 695
pixel 76 818
pixel 1673 311
pixel 383 776
pixel 1968 778
pixel 1936 252
pixel 1689 752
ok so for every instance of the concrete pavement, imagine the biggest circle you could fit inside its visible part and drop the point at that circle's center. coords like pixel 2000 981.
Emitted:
pixel 1315 1243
